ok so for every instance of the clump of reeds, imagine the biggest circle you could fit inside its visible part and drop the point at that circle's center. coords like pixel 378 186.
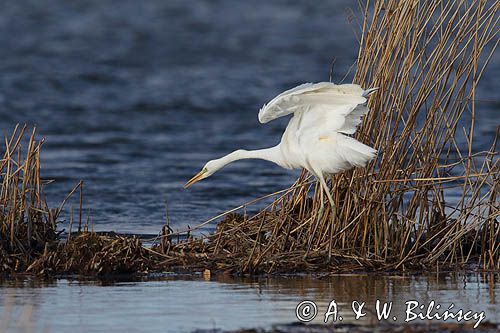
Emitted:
pixel 92 254
pixel 427 57
pixel 29 239
pixel 27 225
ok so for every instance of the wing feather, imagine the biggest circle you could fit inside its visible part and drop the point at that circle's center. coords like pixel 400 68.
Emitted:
pixel 353 119
pixel 311 95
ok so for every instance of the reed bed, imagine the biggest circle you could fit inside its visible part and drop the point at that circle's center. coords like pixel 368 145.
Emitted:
pixel 427 57
pixel 93 254
pixel 27 225
pixel 29 237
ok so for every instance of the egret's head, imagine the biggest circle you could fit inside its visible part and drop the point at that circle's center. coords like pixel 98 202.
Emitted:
pixel 209 169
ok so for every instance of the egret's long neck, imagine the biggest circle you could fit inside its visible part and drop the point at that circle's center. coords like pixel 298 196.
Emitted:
pixel 272 154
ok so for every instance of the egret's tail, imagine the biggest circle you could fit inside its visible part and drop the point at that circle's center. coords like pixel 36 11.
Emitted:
pixel 355 152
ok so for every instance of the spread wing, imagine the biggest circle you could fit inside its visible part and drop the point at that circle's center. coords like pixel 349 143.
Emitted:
pixel 346 101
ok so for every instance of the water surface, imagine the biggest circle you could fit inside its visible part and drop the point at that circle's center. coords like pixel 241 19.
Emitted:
pixel 186 304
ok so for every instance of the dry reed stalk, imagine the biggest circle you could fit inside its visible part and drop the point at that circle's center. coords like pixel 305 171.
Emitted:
pixel 27 224
pixel 427 57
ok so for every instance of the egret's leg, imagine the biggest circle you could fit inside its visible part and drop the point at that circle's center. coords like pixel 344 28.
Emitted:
pixel 334 208
pixel 327 191
pixel 319 216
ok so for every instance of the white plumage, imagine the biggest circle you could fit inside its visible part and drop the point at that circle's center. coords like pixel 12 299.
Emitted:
pixel 316 137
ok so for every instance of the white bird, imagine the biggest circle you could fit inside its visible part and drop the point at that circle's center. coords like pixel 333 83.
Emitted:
pixel 316 138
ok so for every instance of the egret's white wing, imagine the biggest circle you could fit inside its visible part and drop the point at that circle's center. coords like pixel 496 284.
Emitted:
pixel 309 96
pixel 353 119
pixel 313 139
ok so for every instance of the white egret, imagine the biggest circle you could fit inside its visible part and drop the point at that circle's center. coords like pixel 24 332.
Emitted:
pixel 316 138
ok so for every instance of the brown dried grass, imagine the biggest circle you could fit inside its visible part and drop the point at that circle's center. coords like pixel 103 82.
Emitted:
pixel 29 240
pixel 92 254
pixel 27 225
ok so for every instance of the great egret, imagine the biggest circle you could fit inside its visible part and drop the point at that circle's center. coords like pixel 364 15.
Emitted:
pixel 316 138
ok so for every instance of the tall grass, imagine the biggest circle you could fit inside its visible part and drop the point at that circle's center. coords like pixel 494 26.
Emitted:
pixel 402 211
pixel 29 237
pixel 26 223
pixel 428 58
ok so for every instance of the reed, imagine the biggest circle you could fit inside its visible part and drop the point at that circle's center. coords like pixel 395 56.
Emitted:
pixel 27 225
pixel 398 213
pixel 30 239
pixel 91 254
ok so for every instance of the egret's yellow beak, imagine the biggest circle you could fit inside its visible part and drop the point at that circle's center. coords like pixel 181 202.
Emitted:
pixel 199 176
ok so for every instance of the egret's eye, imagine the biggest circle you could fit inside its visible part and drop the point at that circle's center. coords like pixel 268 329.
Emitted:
pixel 204 169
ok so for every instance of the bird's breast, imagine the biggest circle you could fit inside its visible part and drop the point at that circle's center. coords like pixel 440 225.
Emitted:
pixel 291 145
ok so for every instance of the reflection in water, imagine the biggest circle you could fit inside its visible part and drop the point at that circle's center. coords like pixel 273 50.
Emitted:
pixel 183 304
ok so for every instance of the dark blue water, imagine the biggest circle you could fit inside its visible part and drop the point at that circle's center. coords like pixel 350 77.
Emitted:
pixel 134 96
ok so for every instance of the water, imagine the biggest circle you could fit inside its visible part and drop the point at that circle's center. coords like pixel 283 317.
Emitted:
pixel 184 305
pixel 134 97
